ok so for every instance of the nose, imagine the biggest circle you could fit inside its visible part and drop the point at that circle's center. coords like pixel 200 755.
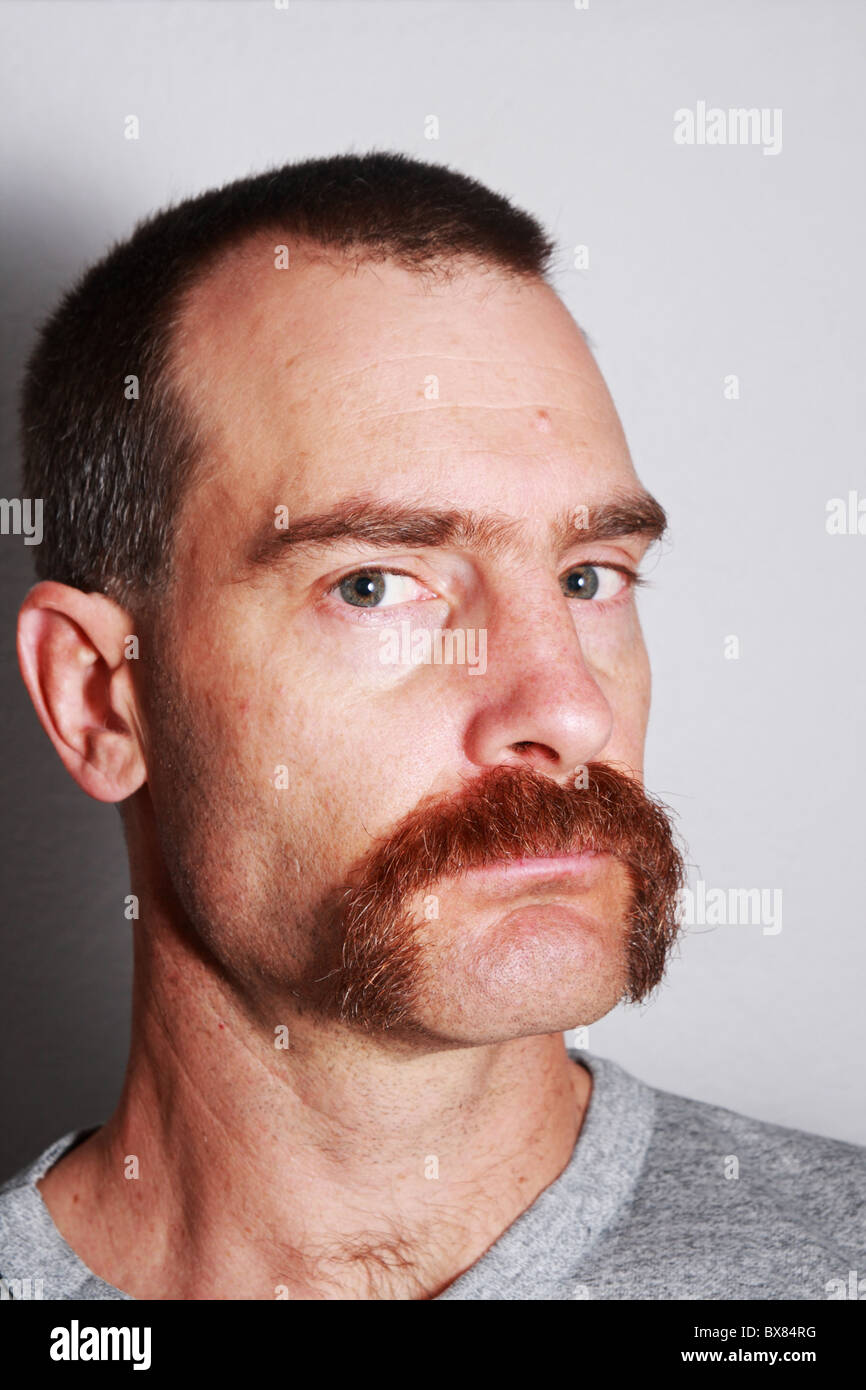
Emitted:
pixel 540 704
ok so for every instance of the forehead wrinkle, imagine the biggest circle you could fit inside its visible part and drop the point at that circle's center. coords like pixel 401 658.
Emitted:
pixel 437 354
pixel 207 359
pixel 280 360
pixel 432 407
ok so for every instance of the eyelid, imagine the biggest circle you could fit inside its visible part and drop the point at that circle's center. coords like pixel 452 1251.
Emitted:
pixel 636 579
pixel 578 564
pixel 382 569
pixel 374 569
pixel 602 605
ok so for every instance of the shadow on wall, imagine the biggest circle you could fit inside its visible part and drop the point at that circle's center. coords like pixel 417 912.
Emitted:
pixel 65 946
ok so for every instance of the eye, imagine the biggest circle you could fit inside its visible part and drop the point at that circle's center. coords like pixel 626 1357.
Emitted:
pixel 376 588
pixel 599 582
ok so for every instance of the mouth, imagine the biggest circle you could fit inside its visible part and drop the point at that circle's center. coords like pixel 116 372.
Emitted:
pixel 564 871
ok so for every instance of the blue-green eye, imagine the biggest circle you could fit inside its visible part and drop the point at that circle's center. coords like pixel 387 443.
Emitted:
pixel 368 588
pixel 600 582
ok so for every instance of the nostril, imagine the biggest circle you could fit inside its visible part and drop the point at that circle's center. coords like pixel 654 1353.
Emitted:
pixel 529 746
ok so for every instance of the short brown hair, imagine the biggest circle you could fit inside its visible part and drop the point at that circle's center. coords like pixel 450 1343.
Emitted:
pixel 111 471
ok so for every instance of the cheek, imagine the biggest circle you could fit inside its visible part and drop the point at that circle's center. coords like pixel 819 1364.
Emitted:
pixel 641 683
pixel 329 764
pixel 620 664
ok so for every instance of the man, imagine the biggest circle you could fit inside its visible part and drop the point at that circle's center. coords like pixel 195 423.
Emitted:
pixel 309 446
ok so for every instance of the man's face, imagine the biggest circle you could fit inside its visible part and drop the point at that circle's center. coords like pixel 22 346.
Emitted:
pixel 286 740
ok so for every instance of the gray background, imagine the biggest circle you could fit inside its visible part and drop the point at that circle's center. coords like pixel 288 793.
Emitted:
pixel 705 261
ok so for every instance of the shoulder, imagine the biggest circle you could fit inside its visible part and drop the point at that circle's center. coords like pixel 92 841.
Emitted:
pixel 35 1261
pixel 828 1175
pixel 18 1190
pixel 725 1205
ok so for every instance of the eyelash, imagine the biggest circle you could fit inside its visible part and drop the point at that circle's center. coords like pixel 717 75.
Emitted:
pixel 635 580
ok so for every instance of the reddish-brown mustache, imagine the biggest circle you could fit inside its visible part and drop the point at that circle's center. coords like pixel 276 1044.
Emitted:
pixel 506 813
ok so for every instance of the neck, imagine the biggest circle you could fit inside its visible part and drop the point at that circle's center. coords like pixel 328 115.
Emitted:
pixel 330 1167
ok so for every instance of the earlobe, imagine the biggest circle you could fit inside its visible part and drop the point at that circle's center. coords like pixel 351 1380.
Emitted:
pixel 72 651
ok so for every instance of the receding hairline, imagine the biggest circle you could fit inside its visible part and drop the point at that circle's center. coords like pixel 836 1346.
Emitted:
pixel 259 248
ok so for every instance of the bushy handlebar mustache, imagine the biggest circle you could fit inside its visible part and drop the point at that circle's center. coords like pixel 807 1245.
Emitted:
pixel 504 813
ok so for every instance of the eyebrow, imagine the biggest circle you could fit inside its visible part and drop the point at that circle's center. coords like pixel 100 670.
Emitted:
pixel 371 521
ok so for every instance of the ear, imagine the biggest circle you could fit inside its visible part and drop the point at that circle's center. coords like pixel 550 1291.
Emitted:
pixel 73 650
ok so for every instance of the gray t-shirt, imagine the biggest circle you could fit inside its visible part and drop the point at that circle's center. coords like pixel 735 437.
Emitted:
pixel 662 1198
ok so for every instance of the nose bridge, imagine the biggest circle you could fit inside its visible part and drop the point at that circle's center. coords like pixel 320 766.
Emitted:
pixel 539 697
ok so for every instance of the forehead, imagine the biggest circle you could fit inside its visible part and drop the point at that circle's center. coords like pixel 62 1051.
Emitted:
pixel 328 377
